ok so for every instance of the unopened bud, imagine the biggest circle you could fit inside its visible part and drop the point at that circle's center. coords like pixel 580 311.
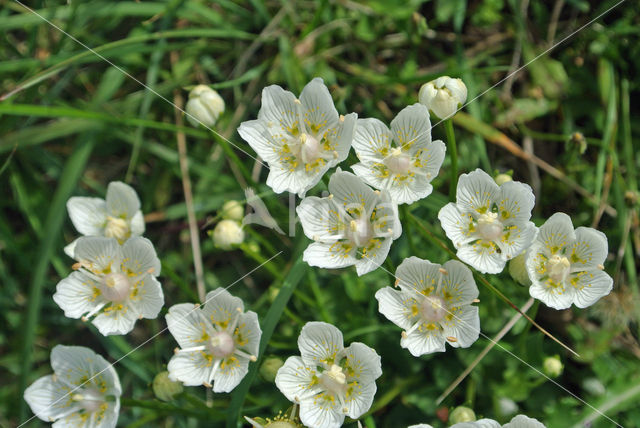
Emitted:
pixel 518 270
pixel 270 367
pixel 227 233
pixel 443 96
pixel 502 178
pixel 462 414
pixel 232 210
pixel 164 388
pixel 204 106
pixel 552 366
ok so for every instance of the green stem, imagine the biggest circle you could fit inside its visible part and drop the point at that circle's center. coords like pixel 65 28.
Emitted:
pixel 453 152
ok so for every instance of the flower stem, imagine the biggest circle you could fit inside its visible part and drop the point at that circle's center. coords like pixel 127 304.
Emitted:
pixel 453 152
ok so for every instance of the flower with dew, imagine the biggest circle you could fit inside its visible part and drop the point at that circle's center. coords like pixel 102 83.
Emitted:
pixel 443 96
pixel 489 224
pixel 118 216
pixel 329 381
pixel 433 305
pixel 83 391
pixel 301 138
pixel 205 105
pixel 566 265
pixel 354 225
pixel 405 168
pixel 217 340
pixel 115 283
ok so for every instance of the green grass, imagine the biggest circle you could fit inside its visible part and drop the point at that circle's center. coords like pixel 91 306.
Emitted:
pixel 70 123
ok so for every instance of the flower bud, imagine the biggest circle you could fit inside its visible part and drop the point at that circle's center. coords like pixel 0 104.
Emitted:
pixel 232 210
pixel 164 388
pixel 502 178
pixel 204 106
pixel 270 367
pixel 507 406
pixel 462 414
pixel 443 96
pixel 518 270
pixel 227 233
pixel 552 366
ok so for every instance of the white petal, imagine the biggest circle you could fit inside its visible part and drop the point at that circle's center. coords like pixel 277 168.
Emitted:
pixel 350 192
pixel 117 318
pixel 122 200
pixel 363 363
pixel 140 257
pixel 359 397
pixel 522 421
pixel 409 190
pixel 320 219
pixel 462 323
pixel 588 250
pixel 483 256
pixel 423 341
pixel 77 364
pixel 279 107
pixel 221 307
pixel 556 233
pixel 186 325
pixel 190 368
pixel 320 342
pixel 230 373
pixel 372 141
pixel 396 306
pixel 386 217
pixel 137 224
pixel 146 297
pixel 415 274
pixel 411 128
pixel 330 256
pixel 374 256
pixel 296 380
pixel 458 287
pixel 476 192
pixel 590 286
pixel 299 181
pixel 459 227
pixel 481 423
pixel 77 295
pixel 516 239
pixel 457 88
pixel 70 249
pixel 259 138
pixel 420 426
pixel 555 295
pixel 321 412
pixel 343 136
pixel 88 215
pixel 248 333
pixel 110 416
pixel 428 160
pixel 318 109
pixel 99 254
pixel 515 202
pixel 374 174
pixel 49 399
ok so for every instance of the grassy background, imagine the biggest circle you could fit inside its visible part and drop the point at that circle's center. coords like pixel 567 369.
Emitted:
pixel 70 123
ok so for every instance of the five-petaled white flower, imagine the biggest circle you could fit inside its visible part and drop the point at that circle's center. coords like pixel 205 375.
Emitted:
pixel 433 305
pixel 115 282
pixel 406 168
pixel 566 266
pixel 354 225
pixel 489 224
pixel 328 380
pixel 520 421
pixel 300 139
pixel 443 96
pixel 83 392
pixel 118 216
pixel 217 341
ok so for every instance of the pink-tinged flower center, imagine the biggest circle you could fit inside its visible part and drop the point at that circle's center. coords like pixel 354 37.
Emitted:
pixel 334 379
pixel 116 228
pixel 116 287
pixel 89 399
pixel 221 345
pixel 558 268
pixel 489 227
pixel 309 148
pixel 433 309
pixel 360 231
pixel 398 162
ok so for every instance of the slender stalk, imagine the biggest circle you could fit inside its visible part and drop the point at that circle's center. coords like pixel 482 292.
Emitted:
pixel 453 152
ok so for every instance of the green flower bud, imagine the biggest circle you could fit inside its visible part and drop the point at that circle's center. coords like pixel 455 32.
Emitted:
pixel 270 367
pixel 232 210
pixel 164 388
pixel 518 270
pixel 552 366
pixel 462 414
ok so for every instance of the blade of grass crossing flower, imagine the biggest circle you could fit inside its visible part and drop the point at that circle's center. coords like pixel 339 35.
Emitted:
pixel 268 326
pixel 72 172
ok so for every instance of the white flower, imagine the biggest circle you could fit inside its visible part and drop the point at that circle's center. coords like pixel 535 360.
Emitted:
pixel 205 105
pixel 118 216
pixel 83 392
pixel 522 421
pixel 354 225
pixel 227 233
pixel 328 380
pixel 565 266
pixel 489 224
pixel 443 96
pixel 406 168
pixel 217 341
pixel 433 305
pixel 300 139
pixel 115 282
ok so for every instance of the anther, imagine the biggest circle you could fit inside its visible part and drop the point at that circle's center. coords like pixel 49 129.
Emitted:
pixel 476 301
pixel 341 118
pixel 601 267
pixel 76 266
pixel 206 384
pixel 176 350
pixel 397 283
pixel 443 271
pixel 297 101
pixel 451 339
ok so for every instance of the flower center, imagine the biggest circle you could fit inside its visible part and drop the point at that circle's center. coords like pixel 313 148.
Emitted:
pixel 433 309
pixel 116 287
pixel 309 148
pixel 221 345
pixel 398 162
pixel 116 228
pixel 89 399
pixel 489 227
pixel 558 268
pixel 361 231
pixel 334 379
